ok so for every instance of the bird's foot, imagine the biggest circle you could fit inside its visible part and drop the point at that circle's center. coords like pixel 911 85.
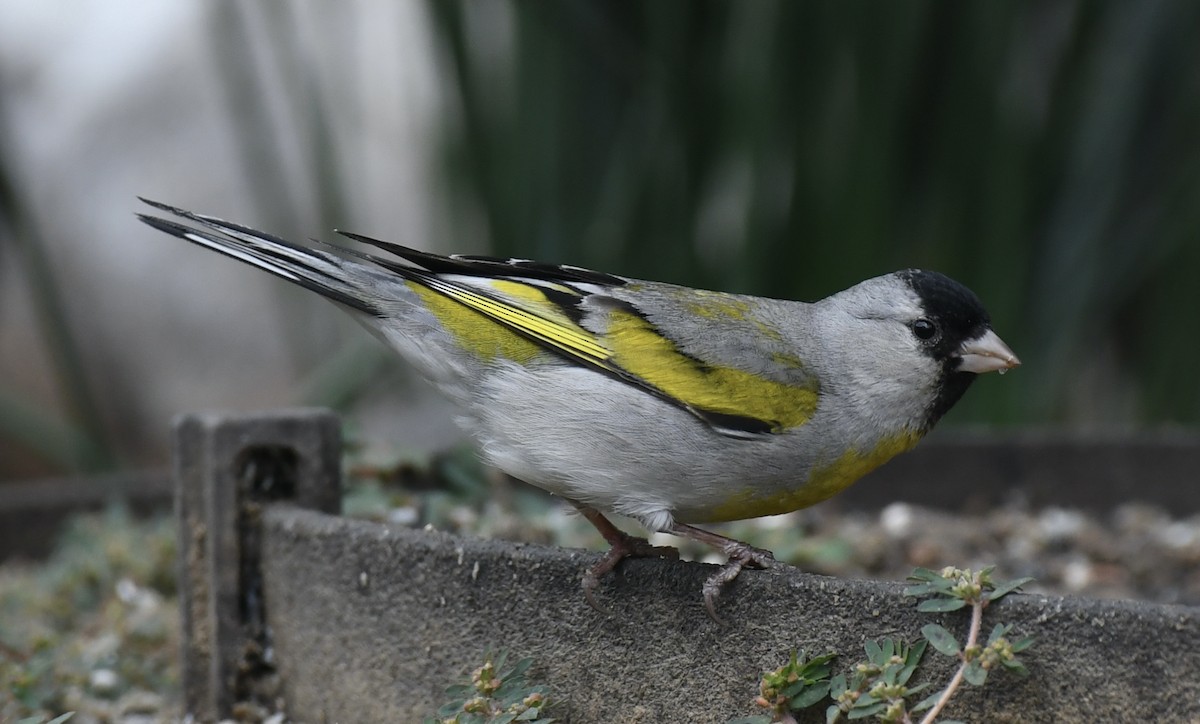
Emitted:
pixel 623 546
pixel 741 555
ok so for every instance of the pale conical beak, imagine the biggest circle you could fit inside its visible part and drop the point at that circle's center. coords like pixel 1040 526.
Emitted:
pixel 986 353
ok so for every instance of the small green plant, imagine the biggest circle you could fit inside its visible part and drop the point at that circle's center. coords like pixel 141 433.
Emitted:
pixel 497 694
pixel 951 589
pixel 878 687
pixel 798 684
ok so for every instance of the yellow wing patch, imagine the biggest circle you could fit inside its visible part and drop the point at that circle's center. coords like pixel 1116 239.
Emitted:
pixel 474 332
pixel 525 324
pixel 639 349
pixel 531 298
pixel 520 331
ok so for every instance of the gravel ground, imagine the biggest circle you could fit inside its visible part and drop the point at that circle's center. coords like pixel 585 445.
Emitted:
pixel 1136 551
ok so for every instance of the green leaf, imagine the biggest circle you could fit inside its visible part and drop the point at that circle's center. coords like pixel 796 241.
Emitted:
pixel 927 702
pixel 818 666
pixel 1021 644
pixel 915 652
pixel 924 574
pixel 874 653
pixel 756 719
pixel 863 713
pixel 934 580
pixel 941 639
pixel 794 688
pixel 1003 588
pixel 975 674
pixel 505 718
pixel 814 694
pixel 998 631
pixel 917 689
pixel 837 685
pixel 518 669
pixel 1016 667
pixel 940 605
pixel 889 649
pixel 920 589
pixel 832 714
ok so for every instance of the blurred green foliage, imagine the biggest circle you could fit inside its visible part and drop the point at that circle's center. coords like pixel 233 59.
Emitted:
pixel 1047 154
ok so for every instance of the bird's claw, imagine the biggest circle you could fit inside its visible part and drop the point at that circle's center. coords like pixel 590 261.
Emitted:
pixel 741 556
pixel 626 547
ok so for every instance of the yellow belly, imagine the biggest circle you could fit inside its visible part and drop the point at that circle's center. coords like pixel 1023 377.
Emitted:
pixel 822 484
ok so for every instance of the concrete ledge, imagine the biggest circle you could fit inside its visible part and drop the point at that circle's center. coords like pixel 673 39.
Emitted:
pixel 227 468
pixel 32 513
pixel 371 622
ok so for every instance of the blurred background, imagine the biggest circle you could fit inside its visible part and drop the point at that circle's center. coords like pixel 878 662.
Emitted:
pixel 1046 154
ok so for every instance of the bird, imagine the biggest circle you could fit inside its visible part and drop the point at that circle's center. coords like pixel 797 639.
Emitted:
pixel 670 405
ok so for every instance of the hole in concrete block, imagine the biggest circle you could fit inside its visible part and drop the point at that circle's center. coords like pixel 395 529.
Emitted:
pixel 268 472
pixel 265 473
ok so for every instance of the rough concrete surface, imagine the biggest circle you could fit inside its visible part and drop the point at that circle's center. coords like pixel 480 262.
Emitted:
pixel 372 622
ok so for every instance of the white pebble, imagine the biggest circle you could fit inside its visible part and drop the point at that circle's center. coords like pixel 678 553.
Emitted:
pixel 1178 535
pixel 1077 575
pixel 897 519
pixel 103 681
pixel 406 515
pixel 1057 523
pixel 127 590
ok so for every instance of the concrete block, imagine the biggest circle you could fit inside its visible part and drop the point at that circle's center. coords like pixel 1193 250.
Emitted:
pixel 225 468
pixel 370 623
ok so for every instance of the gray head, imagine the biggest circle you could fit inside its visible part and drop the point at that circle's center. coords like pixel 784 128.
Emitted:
pixel 923 338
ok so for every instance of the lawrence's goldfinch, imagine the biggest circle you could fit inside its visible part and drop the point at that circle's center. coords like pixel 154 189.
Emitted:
pixel 667 404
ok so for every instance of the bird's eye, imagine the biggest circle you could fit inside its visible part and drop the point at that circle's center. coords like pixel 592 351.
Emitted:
pixel 924 329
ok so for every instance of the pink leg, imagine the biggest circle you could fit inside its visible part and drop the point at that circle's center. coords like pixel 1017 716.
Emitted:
pixel 622 545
